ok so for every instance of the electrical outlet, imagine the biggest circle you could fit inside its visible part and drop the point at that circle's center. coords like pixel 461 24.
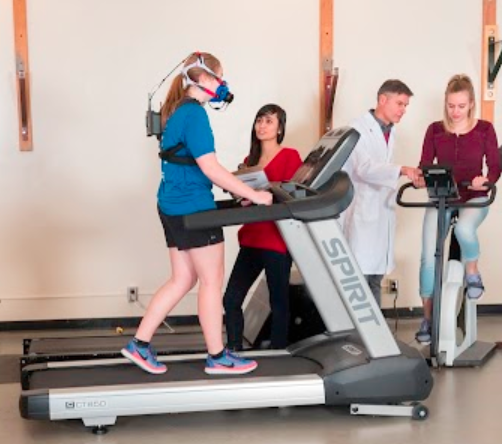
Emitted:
pixel 393 286
pixel 132 294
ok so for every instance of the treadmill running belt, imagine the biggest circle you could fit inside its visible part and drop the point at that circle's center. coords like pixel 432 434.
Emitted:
pixel 177 371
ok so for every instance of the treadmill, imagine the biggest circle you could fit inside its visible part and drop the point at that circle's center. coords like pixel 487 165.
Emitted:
pixel 357 362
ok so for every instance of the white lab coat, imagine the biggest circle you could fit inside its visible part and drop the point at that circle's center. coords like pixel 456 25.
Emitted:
pixel 369 222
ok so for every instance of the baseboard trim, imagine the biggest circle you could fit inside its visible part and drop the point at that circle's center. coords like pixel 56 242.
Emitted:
pixel 403 312
pixel 417 312
pixel 91 324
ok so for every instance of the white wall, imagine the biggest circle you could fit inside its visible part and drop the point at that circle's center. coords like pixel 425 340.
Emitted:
pixel 78 221
pixel 423 43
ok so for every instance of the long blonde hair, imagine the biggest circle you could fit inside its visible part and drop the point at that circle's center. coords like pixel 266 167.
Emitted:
pixel 459 83
pixel 177 91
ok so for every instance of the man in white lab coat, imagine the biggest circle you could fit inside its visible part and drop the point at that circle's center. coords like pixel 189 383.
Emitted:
pixel 369 222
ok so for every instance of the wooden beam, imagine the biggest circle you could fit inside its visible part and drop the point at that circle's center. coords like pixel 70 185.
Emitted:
pixel 489 30
pixel 328 77
pixel 22 75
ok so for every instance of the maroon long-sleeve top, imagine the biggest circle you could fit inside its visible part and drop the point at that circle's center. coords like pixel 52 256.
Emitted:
pixel 465 153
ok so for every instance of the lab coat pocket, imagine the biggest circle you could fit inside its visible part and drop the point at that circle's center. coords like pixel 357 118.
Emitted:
pixel 367 205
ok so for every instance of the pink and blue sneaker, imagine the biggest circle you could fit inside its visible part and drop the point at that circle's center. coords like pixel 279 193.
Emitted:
pixel 229 364
pixel 143 357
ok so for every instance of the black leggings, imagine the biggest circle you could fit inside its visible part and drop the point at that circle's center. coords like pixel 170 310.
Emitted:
pixel 248 266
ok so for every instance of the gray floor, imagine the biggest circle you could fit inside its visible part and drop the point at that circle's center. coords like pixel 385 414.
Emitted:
pixel 465 407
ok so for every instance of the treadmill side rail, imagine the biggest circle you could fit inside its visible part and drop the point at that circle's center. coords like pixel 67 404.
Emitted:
pixel 102 421
pixel 92 403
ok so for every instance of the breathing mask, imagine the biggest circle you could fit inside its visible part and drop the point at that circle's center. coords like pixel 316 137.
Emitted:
pixel 222 93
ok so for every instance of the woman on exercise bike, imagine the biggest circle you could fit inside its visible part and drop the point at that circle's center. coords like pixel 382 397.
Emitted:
pixel 466 144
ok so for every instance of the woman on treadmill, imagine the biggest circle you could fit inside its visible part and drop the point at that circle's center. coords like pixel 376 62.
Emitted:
pixel 465 143
pixel 189 169
pixel 261 244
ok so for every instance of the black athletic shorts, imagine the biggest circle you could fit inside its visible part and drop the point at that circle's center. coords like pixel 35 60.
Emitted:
pixel 183 239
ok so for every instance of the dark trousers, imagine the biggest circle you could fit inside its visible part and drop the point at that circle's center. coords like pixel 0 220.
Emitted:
pixel 375 282
pixel 248 266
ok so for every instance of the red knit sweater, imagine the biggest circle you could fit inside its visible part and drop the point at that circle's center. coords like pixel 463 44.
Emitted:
pixel 265 235
pixel 465 153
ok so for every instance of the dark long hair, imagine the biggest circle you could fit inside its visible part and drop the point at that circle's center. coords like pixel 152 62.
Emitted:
pixel 255 150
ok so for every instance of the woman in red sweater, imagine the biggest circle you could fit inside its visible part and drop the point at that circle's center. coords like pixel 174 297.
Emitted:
pixel 261 244
pixel 465 143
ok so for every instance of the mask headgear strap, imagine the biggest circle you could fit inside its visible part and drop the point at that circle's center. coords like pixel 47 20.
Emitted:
pixel 199 63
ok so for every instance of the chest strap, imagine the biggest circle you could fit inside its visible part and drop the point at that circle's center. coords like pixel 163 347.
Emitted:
pixel 169 155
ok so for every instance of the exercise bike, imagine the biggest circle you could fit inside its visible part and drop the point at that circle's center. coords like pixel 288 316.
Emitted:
pixel 454 332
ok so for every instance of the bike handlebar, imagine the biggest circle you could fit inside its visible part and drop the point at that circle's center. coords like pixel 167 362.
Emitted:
pixel 492 189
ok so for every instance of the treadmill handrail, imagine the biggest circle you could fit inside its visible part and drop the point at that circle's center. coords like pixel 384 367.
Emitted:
pixel 331 200
pixel 328 202
pixel 235 216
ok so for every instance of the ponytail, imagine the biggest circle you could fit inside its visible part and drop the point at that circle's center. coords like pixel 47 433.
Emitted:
pixel 174 97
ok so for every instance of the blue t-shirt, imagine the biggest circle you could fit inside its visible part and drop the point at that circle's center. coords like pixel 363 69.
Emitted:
pixel 184 189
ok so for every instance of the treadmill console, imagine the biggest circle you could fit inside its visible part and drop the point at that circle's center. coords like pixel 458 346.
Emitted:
pixel 327 157
pixel 440 182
